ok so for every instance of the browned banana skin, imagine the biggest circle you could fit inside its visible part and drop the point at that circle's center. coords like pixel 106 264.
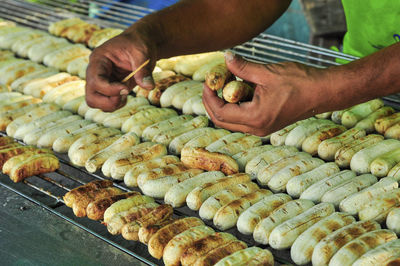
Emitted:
pixel 95 210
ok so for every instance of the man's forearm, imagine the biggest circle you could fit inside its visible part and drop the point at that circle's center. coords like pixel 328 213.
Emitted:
pixel 371 77
pixel 193 26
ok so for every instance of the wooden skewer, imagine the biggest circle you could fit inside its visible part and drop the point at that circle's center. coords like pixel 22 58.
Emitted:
pixel 135 71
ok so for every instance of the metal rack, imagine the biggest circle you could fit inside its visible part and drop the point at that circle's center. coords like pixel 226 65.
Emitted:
pixel 264 48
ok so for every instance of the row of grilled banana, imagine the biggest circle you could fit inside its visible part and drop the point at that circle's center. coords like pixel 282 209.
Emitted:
pixel 179 241
pixel 19 162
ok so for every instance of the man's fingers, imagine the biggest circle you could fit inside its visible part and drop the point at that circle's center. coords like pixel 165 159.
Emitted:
pixel 244 69
pixel 226 112
pixel 105 103
pixel 98 78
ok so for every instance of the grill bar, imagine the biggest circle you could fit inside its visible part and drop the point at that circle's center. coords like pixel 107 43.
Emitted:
pixel 48 193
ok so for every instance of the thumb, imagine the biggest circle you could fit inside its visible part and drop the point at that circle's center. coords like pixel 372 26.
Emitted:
pixel 143 77
pixel 244 69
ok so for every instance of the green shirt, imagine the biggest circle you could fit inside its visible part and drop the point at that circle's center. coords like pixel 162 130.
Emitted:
pixel 371 25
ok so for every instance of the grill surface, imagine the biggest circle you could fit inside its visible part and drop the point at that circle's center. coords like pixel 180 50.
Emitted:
pixel 47 190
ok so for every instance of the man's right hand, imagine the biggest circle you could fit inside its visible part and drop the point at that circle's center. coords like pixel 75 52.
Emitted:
pixel 111 62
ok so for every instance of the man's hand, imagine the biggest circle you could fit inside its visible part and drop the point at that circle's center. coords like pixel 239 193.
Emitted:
pixel 284 93
pixel 111 63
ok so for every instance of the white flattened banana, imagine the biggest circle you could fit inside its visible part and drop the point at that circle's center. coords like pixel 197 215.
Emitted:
pixel 179 142
pixel 211 205
pixel 215 146
pixel 155 173
pixel 226 217
pixel 153 130
pixel 284 235
pixel 47 139
pixel 300 183
pixel 197 196
pixel 317 190
pixel 265 173
pixel 12 97
pixel 122 143
pixel 378 208
pixel 327 149
pixel 19 84
pixel 311 143
pixel 73 105
pixel 328 246
pixel 33 137
pixel 380 255
pixel 157 188
pixel 90 138
pixel 361 161
pixel 248 256
pixel 66 87
pixel 124 205
pixel 242 144
pixel 188 64
pixel 176 195
pixel 62 143
pixel 384 123
pixel 249 219
pixel 179 99
pixel 77 65
pixel 353 203
pixel 7 97
pixel 278 138
pixel 39 87
pixel 344 155
pixel 67 96
pixel 142 119
pixel 83 108
pixel 200 73
pixel 38 51
pixel 264 159
pixel 205 140
pixel 283 213
pixel 243 157
pixel 354 249
pixel 25 129
pixel 120 167
pixel 393 132
pixel 91 113
pixel 178 88
pixel 36 113
pixel 82 153
pixel 394 172
pixel 368 123
pixel 131 176
pixel 165 137
pixel 106 167
pixel 302 248
pixel 297 136
pixel 360 111
pixel 384 163
pixel 325 115
pixel 10 75
pixel 393 220
pixel 177 245
pixel 278 181
pixel 187 108
pixel 28 101
pixel 342 191
pixel 198 107
pixel 117 119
